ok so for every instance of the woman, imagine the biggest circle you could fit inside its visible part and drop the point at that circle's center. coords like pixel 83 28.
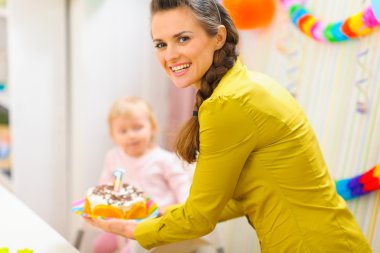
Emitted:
pixel 256 152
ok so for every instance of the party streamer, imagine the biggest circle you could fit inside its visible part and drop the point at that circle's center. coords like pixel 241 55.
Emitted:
pixel 359 185
pixel 287 45
pixel 362 82
pixel 354 26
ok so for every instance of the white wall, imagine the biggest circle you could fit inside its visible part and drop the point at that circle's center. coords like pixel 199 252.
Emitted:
pixel 38 115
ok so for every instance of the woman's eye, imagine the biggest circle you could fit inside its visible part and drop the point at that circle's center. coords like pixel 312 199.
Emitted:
pixel 160 45
pixel 183 39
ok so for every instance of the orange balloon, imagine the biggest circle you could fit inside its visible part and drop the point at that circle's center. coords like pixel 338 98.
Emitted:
pixel 250 14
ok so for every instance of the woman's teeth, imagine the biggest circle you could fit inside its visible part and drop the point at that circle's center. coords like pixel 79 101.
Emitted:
pixel 180 67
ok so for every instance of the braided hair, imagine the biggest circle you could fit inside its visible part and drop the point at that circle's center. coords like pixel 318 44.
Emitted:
pixel 211 15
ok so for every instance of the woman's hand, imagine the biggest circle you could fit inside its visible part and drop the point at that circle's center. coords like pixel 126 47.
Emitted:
pixel 125 228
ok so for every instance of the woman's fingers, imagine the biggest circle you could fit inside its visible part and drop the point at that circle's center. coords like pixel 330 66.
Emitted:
pixel 121 227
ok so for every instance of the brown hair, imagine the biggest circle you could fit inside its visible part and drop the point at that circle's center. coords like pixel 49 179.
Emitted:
pixel 211 15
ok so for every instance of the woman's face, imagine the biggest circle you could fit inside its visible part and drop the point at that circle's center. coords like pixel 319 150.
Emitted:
pixel 183 48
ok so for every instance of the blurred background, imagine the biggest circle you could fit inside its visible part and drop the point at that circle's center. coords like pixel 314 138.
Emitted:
pixel 63 62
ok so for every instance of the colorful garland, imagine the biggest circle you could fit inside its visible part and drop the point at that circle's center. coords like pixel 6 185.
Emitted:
pixel 360 185
pixel 355 26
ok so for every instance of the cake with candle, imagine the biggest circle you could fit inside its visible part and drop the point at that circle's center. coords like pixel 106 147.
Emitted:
pixel 119 200
pixel 125 203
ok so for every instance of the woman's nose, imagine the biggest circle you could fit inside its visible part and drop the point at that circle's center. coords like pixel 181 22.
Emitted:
pixel 171 53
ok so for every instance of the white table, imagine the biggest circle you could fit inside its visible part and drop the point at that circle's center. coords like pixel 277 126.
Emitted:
pixel 21 228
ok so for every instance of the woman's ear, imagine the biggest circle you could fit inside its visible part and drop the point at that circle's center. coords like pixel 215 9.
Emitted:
pixel 221 37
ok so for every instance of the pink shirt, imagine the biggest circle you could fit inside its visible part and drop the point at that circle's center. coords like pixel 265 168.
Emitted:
pixel 159 173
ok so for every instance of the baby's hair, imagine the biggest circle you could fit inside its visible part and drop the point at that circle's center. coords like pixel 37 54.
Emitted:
pixel 126 106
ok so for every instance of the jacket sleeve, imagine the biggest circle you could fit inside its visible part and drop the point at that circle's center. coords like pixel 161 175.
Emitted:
pixel 227 137
pixel 231 210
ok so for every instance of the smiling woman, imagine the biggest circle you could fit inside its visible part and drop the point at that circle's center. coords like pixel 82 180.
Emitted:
pixel 209 49
pixel 256 153
pixel 185 50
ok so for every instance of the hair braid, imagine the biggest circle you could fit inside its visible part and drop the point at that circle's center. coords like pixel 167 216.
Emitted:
pixel 188 140
pixel 211 15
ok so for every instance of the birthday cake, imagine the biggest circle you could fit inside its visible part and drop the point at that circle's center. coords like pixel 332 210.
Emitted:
pixel 125 203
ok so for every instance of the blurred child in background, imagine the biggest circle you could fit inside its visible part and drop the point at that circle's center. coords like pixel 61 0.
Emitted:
pixel 152 169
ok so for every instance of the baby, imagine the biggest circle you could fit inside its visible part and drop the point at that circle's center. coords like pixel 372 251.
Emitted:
pixel 152 169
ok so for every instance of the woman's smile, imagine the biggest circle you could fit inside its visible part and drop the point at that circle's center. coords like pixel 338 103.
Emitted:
pixel 180 69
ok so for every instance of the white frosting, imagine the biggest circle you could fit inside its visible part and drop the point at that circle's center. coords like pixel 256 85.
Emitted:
pixel 124 199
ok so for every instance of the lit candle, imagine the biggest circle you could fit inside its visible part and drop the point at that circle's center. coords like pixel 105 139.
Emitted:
pixel 118 182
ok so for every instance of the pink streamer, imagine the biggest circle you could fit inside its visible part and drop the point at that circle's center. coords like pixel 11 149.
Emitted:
pixel 369 18
pixel 317 31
